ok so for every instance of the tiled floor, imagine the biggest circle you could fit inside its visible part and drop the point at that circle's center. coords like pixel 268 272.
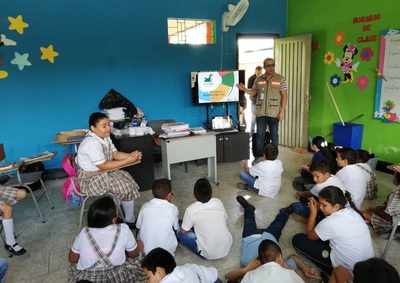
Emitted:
pixel 48 243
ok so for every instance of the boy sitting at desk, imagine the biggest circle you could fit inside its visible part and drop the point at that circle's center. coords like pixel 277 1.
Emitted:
pixel 204 229
pixel 264 177
pixel 158 219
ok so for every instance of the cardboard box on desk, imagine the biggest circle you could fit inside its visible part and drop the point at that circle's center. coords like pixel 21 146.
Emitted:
pixel 70 135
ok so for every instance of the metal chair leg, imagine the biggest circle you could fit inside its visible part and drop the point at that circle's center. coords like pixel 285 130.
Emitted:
pixel 394 228
pixel 46 193
pixel 35 201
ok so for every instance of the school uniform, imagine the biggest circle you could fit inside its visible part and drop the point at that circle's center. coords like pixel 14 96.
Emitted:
pixel 271 272
pixel 94 151
pixel 353 179
pixel 381 225
pixel 191 273
pixel 269 180
pixel 157 221
pixel 209 222
pixel 349 237
pixel 102 256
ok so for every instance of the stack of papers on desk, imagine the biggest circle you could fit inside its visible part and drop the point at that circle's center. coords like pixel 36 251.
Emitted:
pixel 175 134
pixel 176 126
pixel 198 131
pixel 175 130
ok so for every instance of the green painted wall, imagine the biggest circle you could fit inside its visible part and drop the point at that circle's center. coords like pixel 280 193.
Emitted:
pixel 324 20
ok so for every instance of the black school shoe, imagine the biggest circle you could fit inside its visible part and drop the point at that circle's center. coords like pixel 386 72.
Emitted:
pixel 14 252
pixel 244 203
pixel 299 186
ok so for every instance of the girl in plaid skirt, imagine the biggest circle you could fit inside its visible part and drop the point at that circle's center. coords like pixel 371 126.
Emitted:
pixel 97 152
pixel 105 251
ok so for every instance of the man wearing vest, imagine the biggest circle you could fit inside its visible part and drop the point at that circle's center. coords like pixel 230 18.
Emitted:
pixel 271 93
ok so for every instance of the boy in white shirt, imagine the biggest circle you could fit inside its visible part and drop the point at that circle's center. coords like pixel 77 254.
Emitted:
pixel 264 177
pixel 322 177
pixel 204 229
pixel 158 219
pixel 351 175
pixel 160 266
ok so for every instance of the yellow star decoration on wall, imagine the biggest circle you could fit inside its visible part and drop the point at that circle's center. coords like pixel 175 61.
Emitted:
pixel 17 24
pixel 48 53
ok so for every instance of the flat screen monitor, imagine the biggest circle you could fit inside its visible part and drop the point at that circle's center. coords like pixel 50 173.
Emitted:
pixel 215 86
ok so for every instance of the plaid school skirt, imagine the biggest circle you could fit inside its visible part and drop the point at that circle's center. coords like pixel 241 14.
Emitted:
pixel 7 195
pixel 130 271
pixel 122 185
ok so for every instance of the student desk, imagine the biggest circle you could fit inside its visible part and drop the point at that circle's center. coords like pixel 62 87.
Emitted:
pixel 175 150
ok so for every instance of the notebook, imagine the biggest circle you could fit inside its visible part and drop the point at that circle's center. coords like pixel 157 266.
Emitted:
pixel 222 123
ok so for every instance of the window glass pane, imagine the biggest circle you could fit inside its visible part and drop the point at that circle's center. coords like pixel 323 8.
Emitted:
pixel 190 31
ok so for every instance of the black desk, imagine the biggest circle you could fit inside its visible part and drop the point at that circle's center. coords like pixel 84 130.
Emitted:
pixel 143 173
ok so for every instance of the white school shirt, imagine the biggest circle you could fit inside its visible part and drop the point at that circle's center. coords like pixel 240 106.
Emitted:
pixel 191 273
pixel 366 174
pixel 209 221
pixel 331 181
pixel 354 182
pixel 349 237
pixel 269 177
pixel 272 272
pixel 157 221
pixel 90 152
pixel 104 238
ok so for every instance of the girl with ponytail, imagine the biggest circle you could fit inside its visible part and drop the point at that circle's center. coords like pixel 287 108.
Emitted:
pixel 322 152
pixel 341 238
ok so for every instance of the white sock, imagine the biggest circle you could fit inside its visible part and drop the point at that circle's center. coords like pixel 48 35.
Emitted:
pixel 8 226
pixel 129 211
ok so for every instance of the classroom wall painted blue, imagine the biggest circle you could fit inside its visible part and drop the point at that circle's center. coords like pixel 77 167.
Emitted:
pixel 109 44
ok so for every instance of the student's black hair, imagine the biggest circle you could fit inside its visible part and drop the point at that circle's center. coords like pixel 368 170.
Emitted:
pixel 159 257
pixel 323 146
pixel 335 195
pixel 202 190
pixel 375 270
pixel 95 118
pixel 346 153
pixel 362 155
pixel 271 152
pixel 101 212
pixel 161 188
pixel 268 251
pixel 320 166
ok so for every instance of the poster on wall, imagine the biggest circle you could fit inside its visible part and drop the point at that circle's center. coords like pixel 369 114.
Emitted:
pixel 387 100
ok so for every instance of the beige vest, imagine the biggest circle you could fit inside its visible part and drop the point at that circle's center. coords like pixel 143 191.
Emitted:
pixel 268 95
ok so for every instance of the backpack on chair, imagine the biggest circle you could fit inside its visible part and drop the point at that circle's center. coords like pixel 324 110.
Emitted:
pixel 72 199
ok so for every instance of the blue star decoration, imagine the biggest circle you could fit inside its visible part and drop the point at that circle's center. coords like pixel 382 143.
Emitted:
pixel 21 60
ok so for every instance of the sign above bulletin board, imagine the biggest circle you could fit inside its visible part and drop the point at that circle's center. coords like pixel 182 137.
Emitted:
pixel 387 101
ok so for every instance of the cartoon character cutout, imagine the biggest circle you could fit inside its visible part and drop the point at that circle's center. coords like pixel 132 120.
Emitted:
pixel 389 116
pixel 347 65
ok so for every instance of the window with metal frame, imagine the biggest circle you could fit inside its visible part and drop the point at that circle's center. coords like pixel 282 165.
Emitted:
pixel 191 31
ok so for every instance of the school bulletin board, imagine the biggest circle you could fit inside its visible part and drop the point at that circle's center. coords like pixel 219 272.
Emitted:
pixel 387 101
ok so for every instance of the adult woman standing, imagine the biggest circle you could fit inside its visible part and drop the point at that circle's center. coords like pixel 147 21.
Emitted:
pixel 97 152
pixel 341 238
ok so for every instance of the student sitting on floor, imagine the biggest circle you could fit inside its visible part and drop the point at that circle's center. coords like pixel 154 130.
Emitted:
pixel 380 216
pixel 341 238
pixel 99 251
pixel 351 175
pixel 158 219
pixel 160 266
pixel 323 178
pixel 264 177
pixel 204 229
pixel 370 178
pixel 322 152
pixel 252 238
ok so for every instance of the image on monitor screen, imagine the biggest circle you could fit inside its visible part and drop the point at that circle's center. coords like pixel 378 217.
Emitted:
pixel 217 86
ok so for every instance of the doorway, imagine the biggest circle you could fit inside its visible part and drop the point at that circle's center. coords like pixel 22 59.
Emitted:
pixel 252 50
